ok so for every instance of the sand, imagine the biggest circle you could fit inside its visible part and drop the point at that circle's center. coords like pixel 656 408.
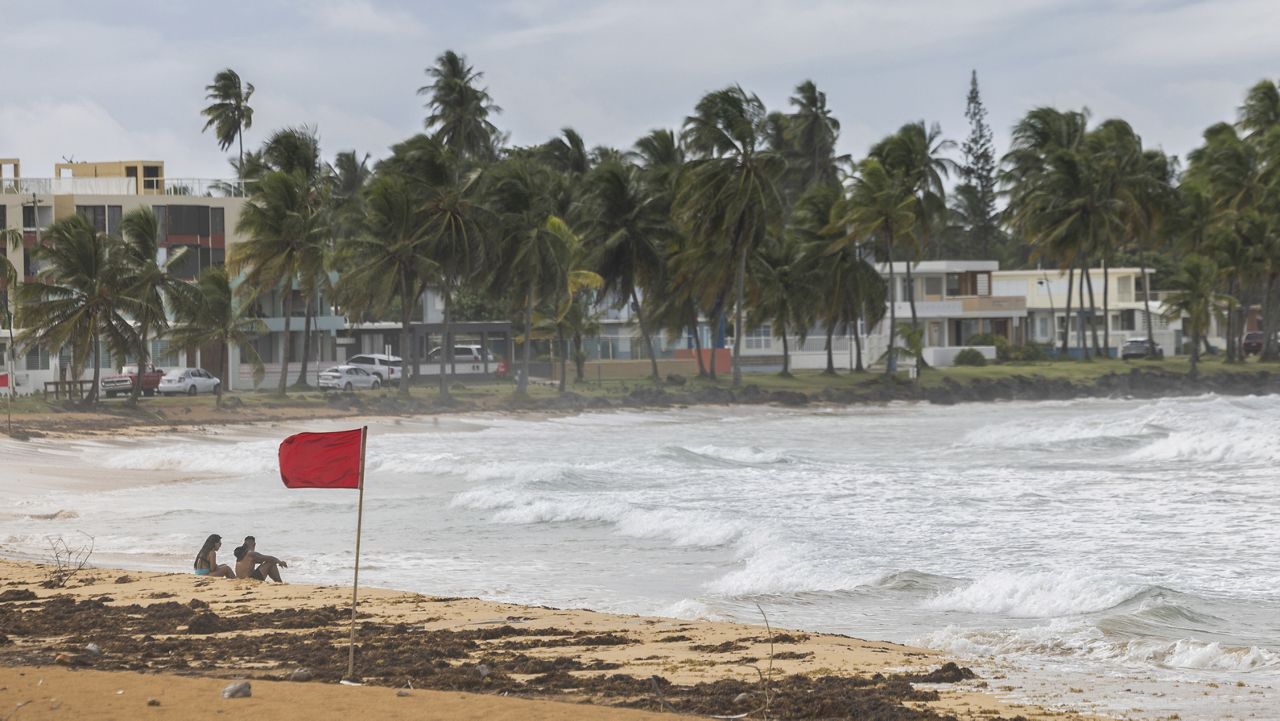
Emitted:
pixel 180 639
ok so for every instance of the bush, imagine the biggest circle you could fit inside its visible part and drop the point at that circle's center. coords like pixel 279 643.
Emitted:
pixel 1029 353
pixel 970 357
pixel 1000 342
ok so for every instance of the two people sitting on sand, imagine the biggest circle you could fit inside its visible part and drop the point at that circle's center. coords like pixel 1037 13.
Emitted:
pixel 249 563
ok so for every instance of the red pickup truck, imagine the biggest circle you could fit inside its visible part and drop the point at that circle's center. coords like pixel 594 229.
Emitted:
pixel 122 383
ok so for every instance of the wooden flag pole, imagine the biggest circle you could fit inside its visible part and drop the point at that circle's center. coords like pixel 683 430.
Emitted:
pixel 355 584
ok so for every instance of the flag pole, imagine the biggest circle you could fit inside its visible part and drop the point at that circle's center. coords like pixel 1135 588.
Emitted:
pixel 355 585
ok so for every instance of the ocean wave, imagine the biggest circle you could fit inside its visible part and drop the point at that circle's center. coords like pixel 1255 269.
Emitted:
pixel 1081 640
pixel 730 455
pixel 770 568
pixel 1236 443
pixel 234 459
pixel 684 528
pixel 1035 595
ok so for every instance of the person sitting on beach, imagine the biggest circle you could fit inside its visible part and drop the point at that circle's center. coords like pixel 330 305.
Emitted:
pixel 207 559
pixel 251 564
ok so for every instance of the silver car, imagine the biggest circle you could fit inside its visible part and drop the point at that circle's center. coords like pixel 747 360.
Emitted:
pixel 191 381
pixel 348 378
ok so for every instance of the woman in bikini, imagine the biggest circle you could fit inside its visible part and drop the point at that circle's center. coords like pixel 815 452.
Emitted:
pixel 207 559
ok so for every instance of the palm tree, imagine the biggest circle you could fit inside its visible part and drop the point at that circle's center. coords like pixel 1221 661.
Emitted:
pixel 916 154
pixel 883 209
pixel 460 109
pixel 626 229
pixel 728 198
pixel 1154 205
pixel 389 262
pixel 80 297
pixel 151 282
pixel 9 238
pixel 782 292
pixel 1194 297
pixel 229 112
pixel 281 222
pixel 813 131
pixel 210 315
pixel 1047 180
pixel 532 249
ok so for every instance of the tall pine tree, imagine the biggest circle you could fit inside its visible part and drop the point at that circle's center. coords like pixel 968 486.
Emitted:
pixel 974 202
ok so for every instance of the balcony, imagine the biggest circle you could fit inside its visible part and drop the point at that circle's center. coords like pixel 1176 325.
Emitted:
pixel 194 187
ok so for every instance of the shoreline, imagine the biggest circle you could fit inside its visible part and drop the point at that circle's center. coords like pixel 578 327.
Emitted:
pixel 1138 383
pixel 150 626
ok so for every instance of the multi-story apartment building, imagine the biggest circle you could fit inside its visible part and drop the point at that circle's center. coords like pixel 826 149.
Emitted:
pixel 194 213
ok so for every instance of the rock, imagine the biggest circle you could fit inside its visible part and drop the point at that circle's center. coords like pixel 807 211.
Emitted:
pixel 238 690
pixel 197 603
pixel 742 698
pixel 70 659
pixel 751 394
pixel 124 579
pixel 153 702
pixel 402 693
pixel 789 398
pixel 301 674
pixel 948 673
pixel 93 649
pixel 675 379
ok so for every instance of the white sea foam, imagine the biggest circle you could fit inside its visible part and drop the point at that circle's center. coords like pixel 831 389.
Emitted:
pixel 740 454
pixel 1034 595
pixel 188 457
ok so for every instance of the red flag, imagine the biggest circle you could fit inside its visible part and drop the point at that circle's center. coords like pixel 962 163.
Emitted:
pixel 323 460
pixel 4 380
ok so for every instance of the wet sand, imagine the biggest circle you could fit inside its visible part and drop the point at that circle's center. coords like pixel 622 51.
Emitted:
pixel 179 639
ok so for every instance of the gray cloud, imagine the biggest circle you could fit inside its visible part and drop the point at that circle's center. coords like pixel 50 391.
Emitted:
pixel 115 78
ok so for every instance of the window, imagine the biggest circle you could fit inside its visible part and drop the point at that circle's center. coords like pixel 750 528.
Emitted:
pixel 1124 320
pixel 933 286
pixel 759 338
pixel 38 359
pixel 908 291
pixel 4 355
pixel 217 221
pixel 984 283
pixel 28 216
pixel 113 218
pixel 4 217
pixel 266 348
pixel 1043 331
pixel 95 214
pixel 953 284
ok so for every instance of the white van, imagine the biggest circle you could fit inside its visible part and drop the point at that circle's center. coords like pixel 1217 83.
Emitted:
pixel 467 360
pixel 387 368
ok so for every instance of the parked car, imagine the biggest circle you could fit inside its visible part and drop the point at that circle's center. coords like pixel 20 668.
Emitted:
pixel 467 360
pixel 123 382
pixel 1139 348
pixel 191 381
pixel 348 378
pixel 387 368
pixel 1253 342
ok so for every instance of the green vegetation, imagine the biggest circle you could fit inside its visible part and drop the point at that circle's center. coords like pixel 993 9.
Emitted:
pixel 743 212
pixel 970 357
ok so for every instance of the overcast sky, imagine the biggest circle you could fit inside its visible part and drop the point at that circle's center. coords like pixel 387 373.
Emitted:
pixel 119 80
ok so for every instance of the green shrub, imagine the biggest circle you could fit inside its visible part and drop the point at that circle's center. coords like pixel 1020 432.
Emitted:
pixel 1028 353
pixel 970 357
pixel 1000 342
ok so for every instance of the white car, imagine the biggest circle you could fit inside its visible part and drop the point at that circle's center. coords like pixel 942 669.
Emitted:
pixel 191 381
pixel 387 368
pixel 348 378
pixel 467 359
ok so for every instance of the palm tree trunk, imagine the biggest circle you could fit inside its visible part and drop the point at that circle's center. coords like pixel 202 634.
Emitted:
pixel 697 345
pixel 564 358
pixel 143 358
pixel 648 341
pixel 1093 311
pixel 406 334
pixel 306 341
pixel 225 356
pixel 1080 332
pixel 1146 307
pixel 1230 330
pixel 1066 333
pixel 857 348
pixel 1106 307
pixel 288 339
pixel 522 388
pixel 1270 320
pixel 891 364
pixel 739 302
pixel 911 297
pixel 717 314
pixel 1195 352
pixel 445 345
pixel 786 351
pixel 97 366
pixel 831 362
pixel 579 358
pixel 240 168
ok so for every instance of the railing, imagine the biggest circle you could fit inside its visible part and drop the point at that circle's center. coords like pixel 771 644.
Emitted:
pixel 199 187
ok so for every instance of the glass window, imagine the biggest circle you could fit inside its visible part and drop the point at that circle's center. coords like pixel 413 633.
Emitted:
pixel 933 285
pixel 953 284
pixel 96 215
pixel 217 221
pixel 759 338
pixel 38 359
pixel 114 213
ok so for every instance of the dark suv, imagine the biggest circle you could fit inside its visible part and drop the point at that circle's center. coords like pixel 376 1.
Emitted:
pixel 1139 348
pixel 1253 343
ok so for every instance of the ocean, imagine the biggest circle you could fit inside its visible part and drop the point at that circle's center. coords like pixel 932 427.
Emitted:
pixel 1115 556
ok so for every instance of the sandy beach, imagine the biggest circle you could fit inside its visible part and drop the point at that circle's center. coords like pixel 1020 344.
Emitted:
pixel 177 640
